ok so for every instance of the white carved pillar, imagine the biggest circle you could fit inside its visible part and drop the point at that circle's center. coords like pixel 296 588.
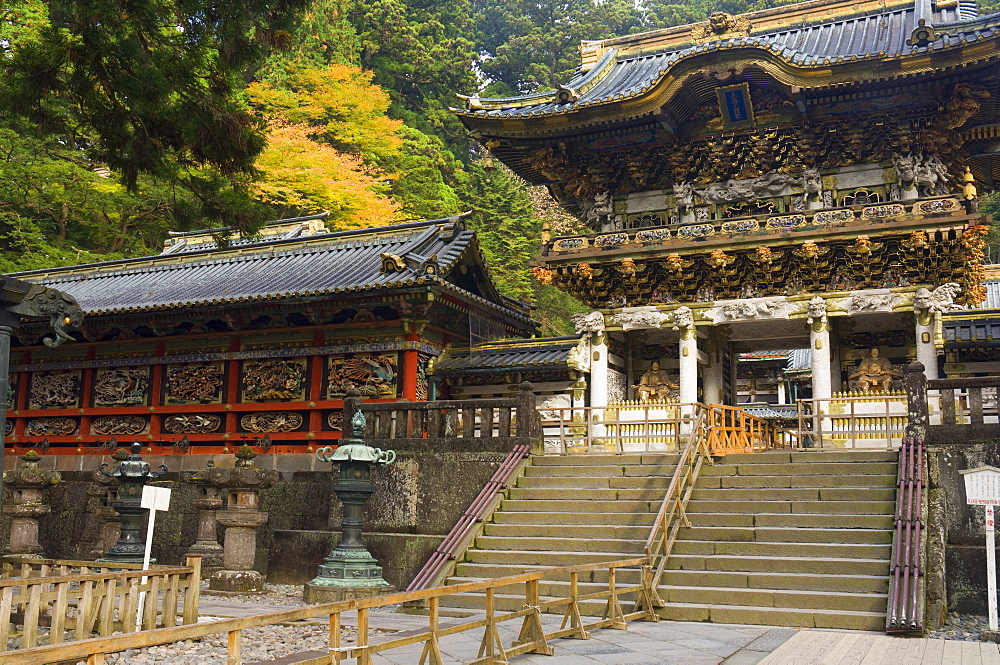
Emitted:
pixel 819 349
pixel 684 322
pixel 599 370
pixel 712 379
pixel 926 351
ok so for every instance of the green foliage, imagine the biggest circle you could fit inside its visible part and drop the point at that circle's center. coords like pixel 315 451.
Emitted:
pixel 990 205
pixel 426 175
pixel 422 54
pixel 150 87
pixel 508 226
pixel 322 35
pixel 532 44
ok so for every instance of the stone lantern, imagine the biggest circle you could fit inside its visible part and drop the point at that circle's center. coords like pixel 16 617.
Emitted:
pixel 132 474
pixel 27 484
pixel 350 571
pixel 241 518
pixel 208 503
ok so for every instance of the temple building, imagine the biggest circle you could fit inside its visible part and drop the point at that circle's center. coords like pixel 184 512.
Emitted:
pixel 204 347
pixel 800 178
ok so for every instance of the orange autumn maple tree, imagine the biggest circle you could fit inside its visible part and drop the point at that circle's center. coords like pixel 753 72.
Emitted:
pixel 328 132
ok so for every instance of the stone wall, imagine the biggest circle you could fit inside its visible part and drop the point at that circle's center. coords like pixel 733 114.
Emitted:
pixel 959 526
pixel 418 500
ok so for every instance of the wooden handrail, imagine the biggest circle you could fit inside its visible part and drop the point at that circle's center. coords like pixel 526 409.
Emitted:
pixel 532 637
pixel 665 527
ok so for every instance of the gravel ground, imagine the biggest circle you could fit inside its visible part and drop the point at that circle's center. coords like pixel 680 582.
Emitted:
pixel 966 627
pixel 273 594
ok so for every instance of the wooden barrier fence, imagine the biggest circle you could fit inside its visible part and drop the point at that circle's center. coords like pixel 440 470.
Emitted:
pixel 88 597
pixel 532 636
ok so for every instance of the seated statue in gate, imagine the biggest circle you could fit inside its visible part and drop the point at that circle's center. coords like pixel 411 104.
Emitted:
pixel 875 372
pixel 654 383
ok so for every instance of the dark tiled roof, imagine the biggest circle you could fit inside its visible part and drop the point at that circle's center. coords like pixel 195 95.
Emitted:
pixel 875 35
pixel 333 263
pixel 508 355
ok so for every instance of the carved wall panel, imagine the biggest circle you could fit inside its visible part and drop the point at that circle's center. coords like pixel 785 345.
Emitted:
pixel 51 426
pixel 423 386
pixel 192 423
pixel 274 380
pixel 120 387
pixel 119 425
pixel 335 419
pixel 271 421
pixel 187 384
pixel 55 390
pixel 374 376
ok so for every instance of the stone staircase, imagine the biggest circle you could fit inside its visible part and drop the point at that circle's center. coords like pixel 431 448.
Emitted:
pixel 787 538
pixel 778 538
pixel 566 510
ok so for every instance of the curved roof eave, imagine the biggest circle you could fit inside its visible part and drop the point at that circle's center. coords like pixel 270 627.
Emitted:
pixel 668 72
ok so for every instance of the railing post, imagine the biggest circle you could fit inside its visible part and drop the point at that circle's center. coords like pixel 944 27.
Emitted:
pixel 192 594
pixel 528 422
pixel 916 400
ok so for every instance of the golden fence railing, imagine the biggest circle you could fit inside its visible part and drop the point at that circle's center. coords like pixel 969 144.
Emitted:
pixel 77 599
pixel 532 636
pixel 852 421
pixel 672 515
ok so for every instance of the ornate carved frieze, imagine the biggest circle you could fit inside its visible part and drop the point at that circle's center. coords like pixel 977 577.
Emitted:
pixel 941 299
pixel 588 323
pixel 373 376
pixel 192 423
pixel 751 309
pixel 193 383
pixel 51 426
pixel 636 318
pixel 118 425
pixel 335 420
pixel 274 380
pixel 120 387
pixel 271 421
pixel 870 302
pixel 56 390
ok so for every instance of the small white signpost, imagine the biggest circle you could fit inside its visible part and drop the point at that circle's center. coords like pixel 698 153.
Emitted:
pixel 154 499
pixel 982 488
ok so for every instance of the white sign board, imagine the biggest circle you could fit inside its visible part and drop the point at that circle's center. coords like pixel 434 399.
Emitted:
pixel 153 499
pixel 982 488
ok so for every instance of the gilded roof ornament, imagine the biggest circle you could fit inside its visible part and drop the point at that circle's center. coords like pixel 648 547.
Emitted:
pixel 720 25
pixel 922 35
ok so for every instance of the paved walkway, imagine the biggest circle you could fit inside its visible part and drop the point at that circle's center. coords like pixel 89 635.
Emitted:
pixel 670 643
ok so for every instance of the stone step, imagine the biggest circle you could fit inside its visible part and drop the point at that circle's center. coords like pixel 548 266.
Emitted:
pixel 794 494
pixel 812 456
pixel 546 558
pixel 784 535
pixel 585 518
pixel 779 598
pixel 843 469
pixel 799 507
pixel 595 482
pixel 588 470
pixel 624 576
pixel 773 616
pixel 878 584
pixel 587 494
pixel 640 532
pixel 778 564
pixel 592 459
pixel 805 550
pixel 634 547
pixel 569 506
pixel 855 480
pixel 808 520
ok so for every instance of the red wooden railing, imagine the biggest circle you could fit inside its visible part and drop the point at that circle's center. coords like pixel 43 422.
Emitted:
pixel 432 573
pixel 904 613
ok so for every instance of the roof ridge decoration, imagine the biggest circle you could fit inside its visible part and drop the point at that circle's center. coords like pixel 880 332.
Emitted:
pixel 720 25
